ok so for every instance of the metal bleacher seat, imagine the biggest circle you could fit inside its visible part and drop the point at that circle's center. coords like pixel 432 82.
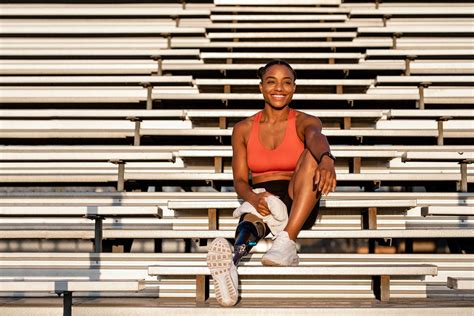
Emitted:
pixel 447 210
pixel 286 56
pixel 288 35
pixel 277 17
pixel 122 129
pixel 414 29
pixel 382 274
pixel 278 9
pixel 348 25
pixel 68 287
pixel 146 67
pixel 424 80
pixel 276 2
pixel 461 283
pixel 116 10
pixel 417 9
pixel 96 80
pixel 460 157
pixel 111 266
pixel 95 26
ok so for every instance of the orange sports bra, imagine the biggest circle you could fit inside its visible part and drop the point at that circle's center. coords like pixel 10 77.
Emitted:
pixel 261 160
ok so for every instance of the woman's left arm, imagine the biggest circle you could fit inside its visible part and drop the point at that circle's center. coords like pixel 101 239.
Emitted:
pixel 318 145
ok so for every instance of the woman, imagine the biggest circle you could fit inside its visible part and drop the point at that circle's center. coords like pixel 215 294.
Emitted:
pixel 289 157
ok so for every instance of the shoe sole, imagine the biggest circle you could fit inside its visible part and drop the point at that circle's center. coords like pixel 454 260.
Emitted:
pixel 219 262
pixel 271 263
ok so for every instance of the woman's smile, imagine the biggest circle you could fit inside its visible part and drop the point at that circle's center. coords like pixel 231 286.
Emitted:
pixel 278 86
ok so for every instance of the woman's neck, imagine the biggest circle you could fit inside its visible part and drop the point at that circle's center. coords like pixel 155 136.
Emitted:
pixel 272 115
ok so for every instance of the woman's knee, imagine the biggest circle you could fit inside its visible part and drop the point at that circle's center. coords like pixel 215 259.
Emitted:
pixel 306 162
pixel 252 223
pixel 304 170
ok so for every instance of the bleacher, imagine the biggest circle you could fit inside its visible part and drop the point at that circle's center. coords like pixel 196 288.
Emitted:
pixel 115 156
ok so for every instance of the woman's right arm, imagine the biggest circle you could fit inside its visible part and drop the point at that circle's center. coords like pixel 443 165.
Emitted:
pixel 240 170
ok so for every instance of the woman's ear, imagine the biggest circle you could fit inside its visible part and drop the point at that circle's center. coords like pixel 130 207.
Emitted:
pixel 260 87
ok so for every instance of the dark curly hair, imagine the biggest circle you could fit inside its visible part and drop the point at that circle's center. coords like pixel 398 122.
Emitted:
pixel 262 70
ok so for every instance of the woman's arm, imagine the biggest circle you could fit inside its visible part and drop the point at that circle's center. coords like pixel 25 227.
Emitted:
pixel 240 170
pixel 318 145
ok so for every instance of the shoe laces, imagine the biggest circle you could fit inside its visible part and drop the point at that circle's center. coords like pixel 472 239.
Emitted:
pixel 280 239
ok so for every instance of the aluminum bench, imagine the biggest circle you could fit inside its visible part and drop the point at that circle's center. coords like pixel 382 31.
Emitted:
pixel 100 10
pixel 257 18
pixel 410 10
pixel 89 26
pixel 276 2
pixel 463 158
pixel 147 198
pixel 286 44
pixel 427 232
pixel 417 80
pixel 349 24
pixel 134 266
pixel 448 210
pixel 417 29
pixel 278 9
pixel 432 113
pixel 96 80
pixel 68 287
pixel 266 35
pixel 93 212
pixel 381 282
pixel 146 67
pixel 461 283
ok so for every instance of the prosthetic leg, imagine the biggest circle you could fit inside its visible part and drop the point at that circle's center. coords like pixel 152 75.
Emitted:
pixel 249 231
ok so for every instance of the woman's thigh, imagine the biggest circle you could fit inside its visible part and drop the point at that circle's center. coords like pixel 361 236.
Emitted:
pixel 305 163
pixel 280 188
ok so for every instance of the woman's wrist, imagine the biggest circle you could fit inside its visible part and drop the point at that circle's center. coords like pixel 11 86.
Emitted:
pixel 327 156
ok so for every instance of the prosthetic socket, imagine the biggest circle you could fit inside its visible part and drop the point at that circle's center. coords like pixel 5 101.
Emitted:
pixel 247 235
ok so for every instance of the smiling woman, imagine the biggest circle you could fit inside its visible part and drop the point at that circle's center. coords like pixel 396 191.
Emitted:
pixel 289 158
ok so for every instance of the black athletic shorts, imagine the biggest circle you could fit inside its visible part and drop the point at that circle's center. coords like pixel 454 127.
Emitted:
pixel 280 189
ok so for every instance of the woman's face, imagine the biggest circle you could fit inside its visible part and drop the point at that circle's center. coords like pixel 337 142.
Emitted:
pixel 278 86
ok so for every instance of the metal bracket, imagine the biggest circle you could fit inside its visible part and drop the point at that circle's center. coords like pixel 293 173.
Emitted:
pixel 441 121
pixel 463 169
pixel 136 137
pixel 421 91
pixel 202 288
pixel 98 231
pixel 385 18
pixel 395 36
pixel 121 174
pixel 213 218
pixel 377 184
pixel 408 61
pixel 149 94
pixel 159 60
pixel 381 287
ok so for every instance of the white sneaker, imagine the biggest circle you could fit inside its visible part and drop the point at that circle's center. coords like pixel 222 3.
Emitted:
pixel 224 272
pixel 282 253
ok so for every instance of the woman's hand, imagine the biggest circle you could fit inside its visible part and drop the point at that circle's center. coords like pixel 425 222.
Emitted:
pixel 325 176
pixel 260 203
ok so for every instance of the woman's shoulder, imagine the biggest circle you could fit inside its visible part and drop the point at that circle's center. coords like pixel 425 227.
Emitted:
pixel 244 126
pixel 304 120
pixel 246 123
pixel 302 116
